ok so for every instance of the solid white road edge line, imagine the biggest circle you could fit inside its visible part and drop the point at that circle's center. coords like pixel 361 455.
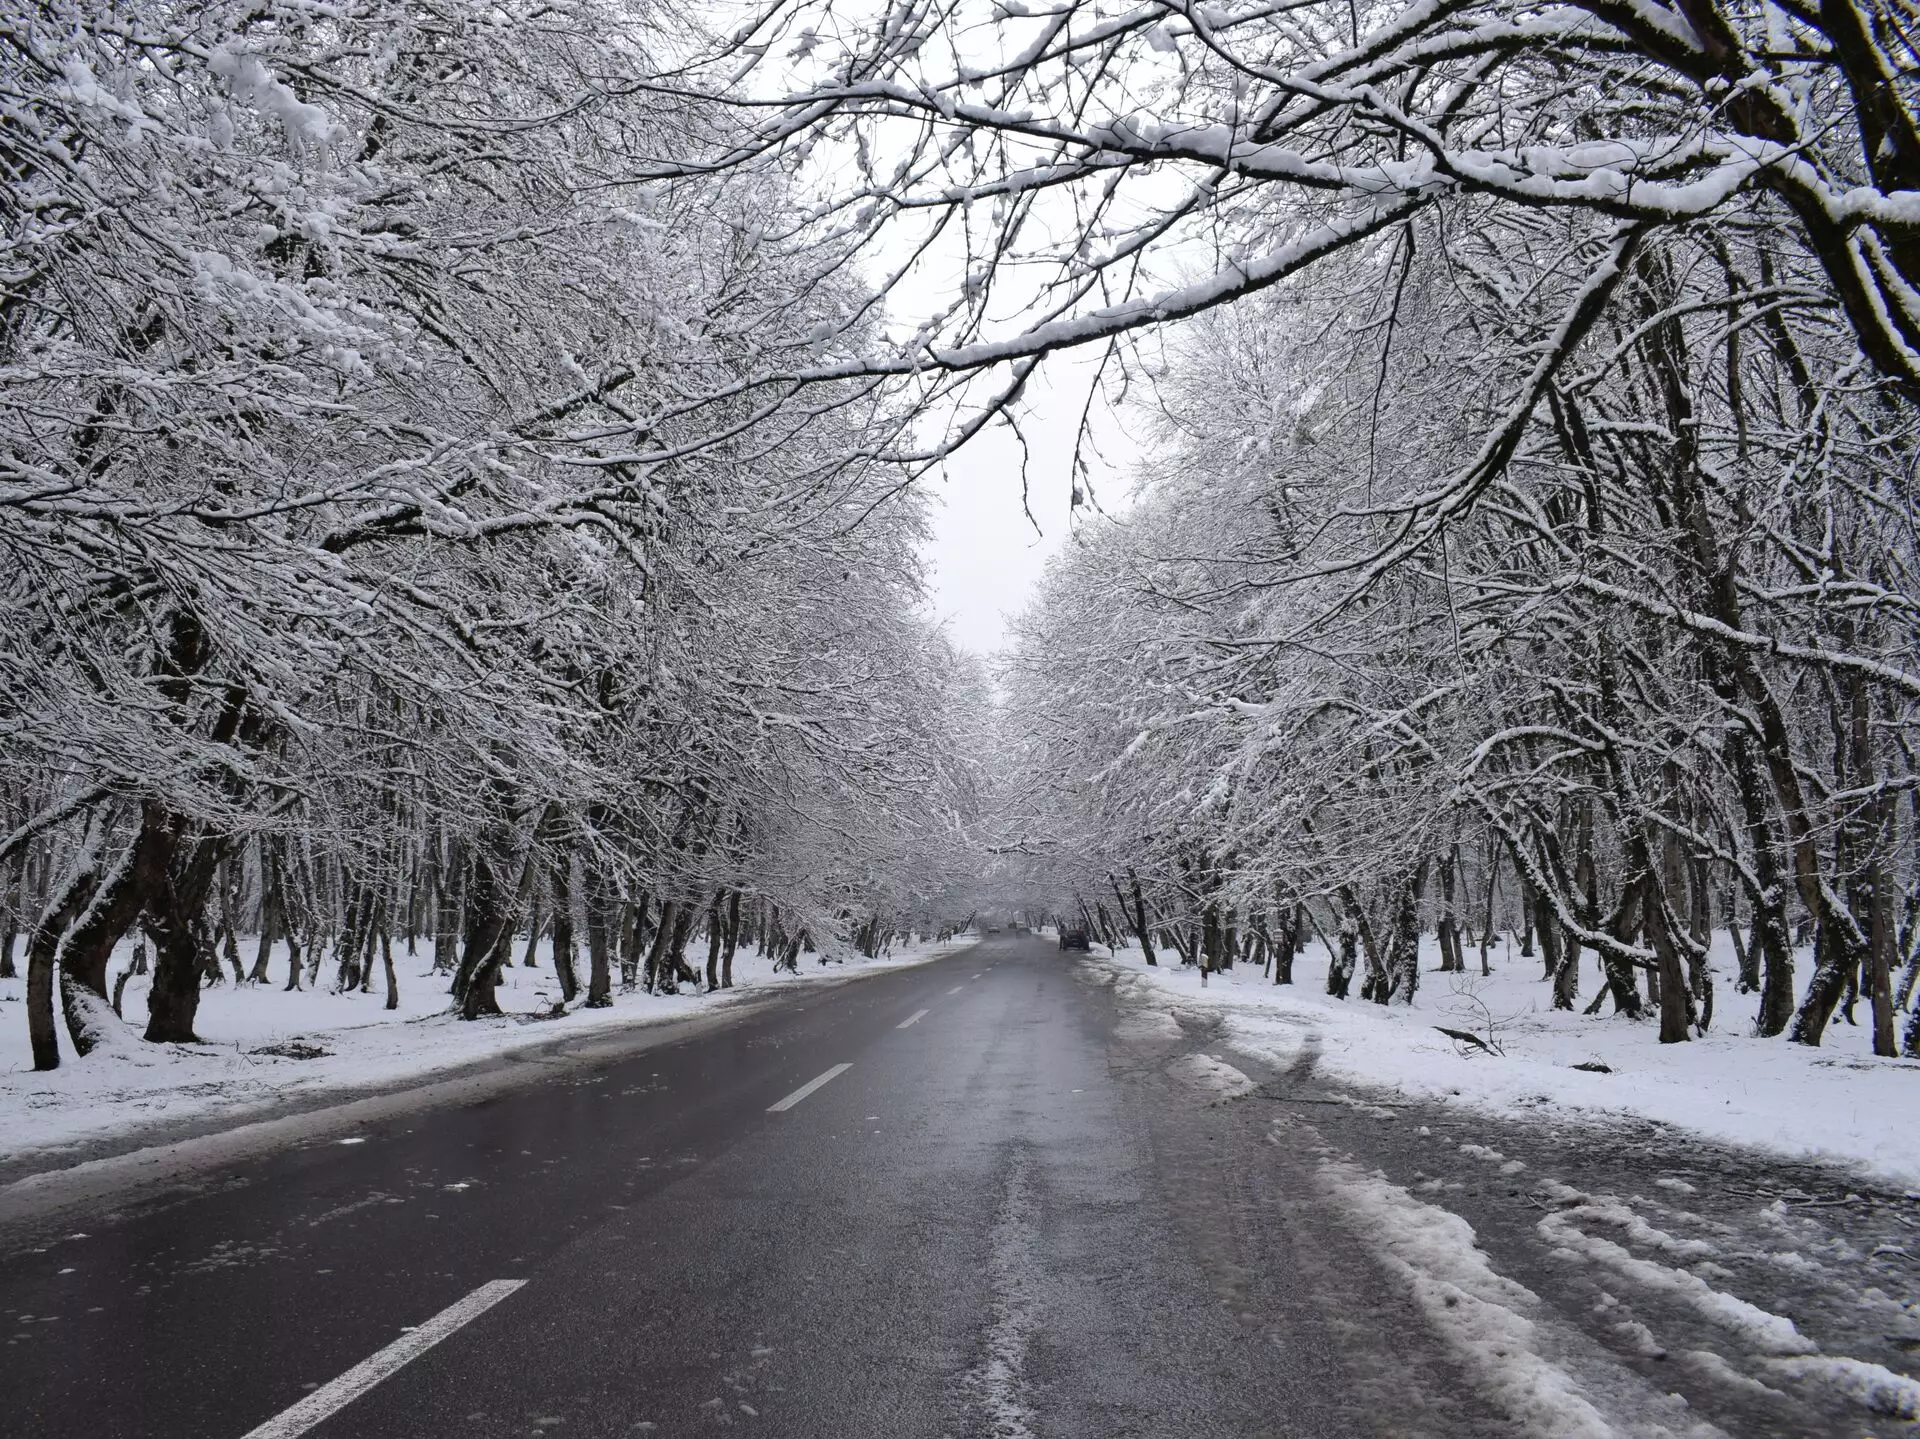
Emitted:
pixel 804 1090
pixel 330 1398
pixel 914 1018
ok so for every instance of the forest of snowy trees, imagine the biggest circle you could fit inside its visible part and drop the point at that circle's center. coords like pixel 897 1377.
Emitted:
pixel 460 469
pixel 1531 543
pixel 395 543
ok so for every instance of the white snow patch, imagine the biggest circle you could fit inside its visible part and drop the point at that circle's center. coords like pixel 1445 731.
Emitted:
pixel 1478 1312
pixel 1205 1072
pixel 1870 1385
pixel 1839 1102
pixel 1606 1209
pixel 1767 1333
pixel 358 1044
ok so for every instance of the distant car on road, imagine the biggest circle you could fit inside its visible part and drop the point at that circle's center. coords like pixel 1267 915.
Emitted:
pixel 1074 939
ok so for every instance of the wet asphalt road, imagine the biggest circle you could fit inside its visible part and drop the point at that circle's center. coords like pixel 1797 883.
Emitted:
pixel 965 1233
pixel 1013 1214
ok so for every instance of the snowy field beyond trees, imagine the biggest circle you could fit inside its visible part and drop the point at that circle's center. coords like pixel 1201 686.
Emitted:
pixel 1838 1103
pixel 265 1045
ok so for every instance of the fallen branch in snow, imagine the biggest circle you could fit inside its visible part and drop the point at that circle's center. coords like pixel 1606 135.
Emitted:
pixel 1464 1037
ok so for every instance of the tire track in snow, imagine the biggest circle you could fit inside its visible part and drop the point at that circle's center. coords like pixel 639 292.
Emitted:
pixel 1484 1317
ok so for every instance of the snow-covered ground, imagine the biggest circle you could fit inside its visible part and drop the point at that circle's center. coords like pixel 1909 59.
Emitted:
pixel 361 1045
pixel 1837 1102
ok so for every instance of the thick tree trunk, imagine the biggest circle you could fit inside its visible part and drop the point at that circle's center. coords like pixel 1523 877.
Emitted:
pixel 269 919
pixel 563 969
pixel 660 977
pixel 1452 955
pixel 43 945
pixel 446 912
pixel 733 938
pixel 599 960
pixel 1676 1001
pixel 86 949
pixel 1140 925
pixel 1286 944
pixel 15 916
pixel 485 944
pixel 1700 933
pixel 1404 963
pixel 1493 889
pixel 1342 960
pixel 393 980
pixel 1880 954
pixel 683 973
pixel 628 934
pixel 714 940
pixel 181 946
pixel 1562 961
pixel 95 907
pixel 1833 957
pixel 377 934
pixel 229 939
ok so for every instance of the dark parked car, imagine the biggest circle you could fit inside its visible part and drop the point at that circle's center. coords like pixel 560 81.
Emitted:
pixel 1073 939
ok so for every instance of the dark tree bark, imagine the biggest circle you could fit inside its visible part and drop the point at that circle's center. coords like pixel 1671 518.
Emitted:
pixel 446 911
pixel 1880 951
pixel 86 949
pixel 386 960
pixel 1135 913
pixel 15 916
pixel 1452 955
pixel 1562 962
pixel 683 973
pixel 181 945
pixel 536 922
pixel 485 944
pixel 269 917
pixel 715 939
pixel 599 960
pixel 733 938
pixel 562 882
pixel 1676 1001
pixel 660 977
pixel 229 940
pixel 1404 962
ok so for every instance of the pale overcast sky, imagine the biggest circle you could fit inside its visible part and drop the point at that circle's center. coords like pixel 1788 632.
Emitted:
pixel 986 555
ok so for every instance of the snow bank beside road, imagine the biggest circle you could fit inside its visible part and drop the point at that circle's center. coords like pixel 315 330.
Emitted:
pixel 1838 1102
pixel 354 1044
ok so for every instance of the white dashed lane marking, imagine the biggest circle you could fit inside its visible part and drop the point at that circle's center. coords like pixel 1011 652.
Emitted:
pixel 808 1088
pixel 329 1399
